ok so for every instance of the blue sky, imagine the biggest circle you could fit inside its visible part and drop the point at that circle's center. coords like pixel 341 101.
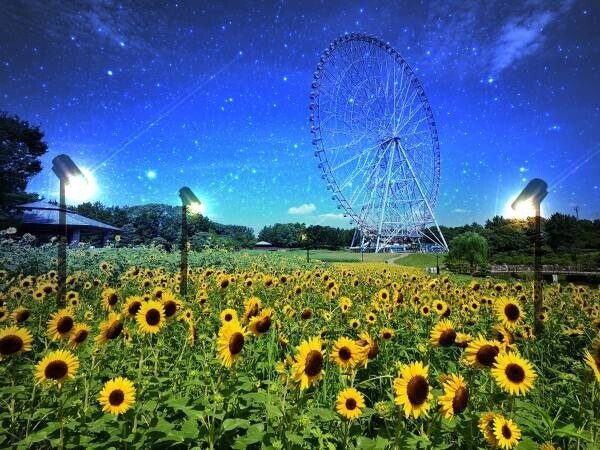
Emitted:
pixel 215 97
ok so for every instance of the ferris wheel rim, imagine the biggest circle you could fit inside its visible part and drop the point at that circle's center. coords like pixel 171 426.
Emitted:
pixel 316 128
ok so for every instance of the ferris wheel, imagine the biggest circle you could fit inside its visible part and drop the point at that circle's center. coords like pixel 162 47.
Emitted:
pixel 376 142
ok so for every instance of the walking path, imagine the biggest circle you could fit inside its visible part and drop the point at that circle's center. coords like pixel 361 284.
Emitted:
pixel 400 256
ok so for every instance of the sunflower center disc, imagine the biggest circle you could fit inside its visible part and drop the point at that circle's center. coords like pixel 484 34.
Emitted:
pixel 170 308
pixel 10 344
pixel 486 355
pixel 81 336
pixel 116 397
pixel 306 314
pixel 345 353
pixel 350 404
pixel 228 317
pixel 64 325
pixel 387 335
pixel 56 370
pixel 447 338
pixel 314 363
pixel 263 325
pixel 153 317
pixel 512 312
pixel 460 400
pixel 112 299
pixel 23 316
pixel 236 343
pixel 515 373
pixel 134 308
pixel 506 432
pixel 417 390
pixel 114 330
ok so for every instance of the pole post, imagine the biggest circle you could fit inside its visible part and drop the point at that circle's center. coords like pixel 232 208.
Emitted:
pixel 437 263
pixel 537 265
pixel 184 252
pixel 62 248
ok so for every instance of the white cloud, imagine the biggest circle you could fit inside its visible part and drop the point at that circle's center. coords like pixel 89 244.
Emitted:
pixel 520 37
pixel 460 210
pixel 305 208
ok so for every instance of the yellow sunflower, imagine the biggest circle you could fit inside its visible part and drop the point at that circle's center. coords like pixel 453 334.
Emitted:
pixel 227 315
pixel 345 304
pixel 310 361
pixel 261 323
pixel 230 342
pixel 79 335
pixel 57 367
pixel 456 396
pixel 354 323
pixel 170 303
pixel 251 308
pixel 110 329
pixel 346 353
pixel 20 315
pixel 117 396
pixel 151 317
pixel 594 363
pixel 132 305
pixel 509 312
pixel 60 324
pixel 440 307
pixel 370 346
pixel 349 403
pixel 109 298
pixel 14 340
pixel 486 426
pixel 462 340
pixel 513 373
pixel 412 390
pixel 481 353
pixel 386 333
pixel 506 431
pixel 443 334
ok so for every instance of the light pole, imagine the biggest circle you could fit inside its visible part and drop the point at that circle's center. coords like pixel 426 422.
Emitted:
pixel 304 238
pixel 67 172
pixel 533 194
pixel 188 199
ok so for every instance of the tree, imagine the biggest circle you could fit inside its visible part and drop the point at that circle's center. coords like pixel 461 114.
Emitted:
pixel 21 146
pixel 561 231
pixel 470 248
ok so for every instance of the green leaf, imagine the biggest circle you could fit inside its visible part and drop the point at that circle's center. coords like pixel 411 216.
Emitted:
pixel 526 444
pixel 571 430
pixel 189 429
pixel 231 424
pixel 326 415
pixel 365 443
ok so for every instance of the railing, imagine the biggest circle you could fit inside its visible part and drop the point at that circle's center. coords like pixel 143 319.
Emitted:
pixel 545 268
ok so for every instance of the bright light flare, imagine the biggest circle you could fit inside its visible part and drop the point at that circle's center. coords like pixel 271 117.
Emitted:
pixel 80 189
pixel 196 208
pixel 522 210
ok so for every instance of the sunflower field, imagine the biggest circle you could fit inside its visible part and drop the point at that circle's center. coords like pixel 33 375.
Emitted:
pixel 270 352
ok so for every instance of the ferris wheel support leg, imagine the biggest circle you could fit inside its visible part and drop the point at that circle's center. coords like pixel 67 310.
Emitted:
pixel 385 195
pixel 400 148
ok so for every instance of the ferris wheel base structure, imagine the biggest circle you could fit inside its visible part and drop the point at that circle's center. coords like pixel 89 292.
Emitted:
pixel 377 144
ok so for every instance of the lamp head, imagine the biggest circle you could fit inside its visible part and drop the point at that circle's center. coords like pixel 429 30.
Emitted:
pixel 188 198
pixel 66 170
pixel 535 191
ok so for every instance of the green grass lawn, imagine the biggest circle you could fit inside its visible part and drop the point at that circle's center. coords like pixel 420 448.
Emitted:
pixel 420 260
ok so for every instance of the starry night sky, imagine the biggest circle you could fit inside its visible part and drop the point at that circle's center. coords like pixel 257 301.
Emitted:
pixel 215 96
